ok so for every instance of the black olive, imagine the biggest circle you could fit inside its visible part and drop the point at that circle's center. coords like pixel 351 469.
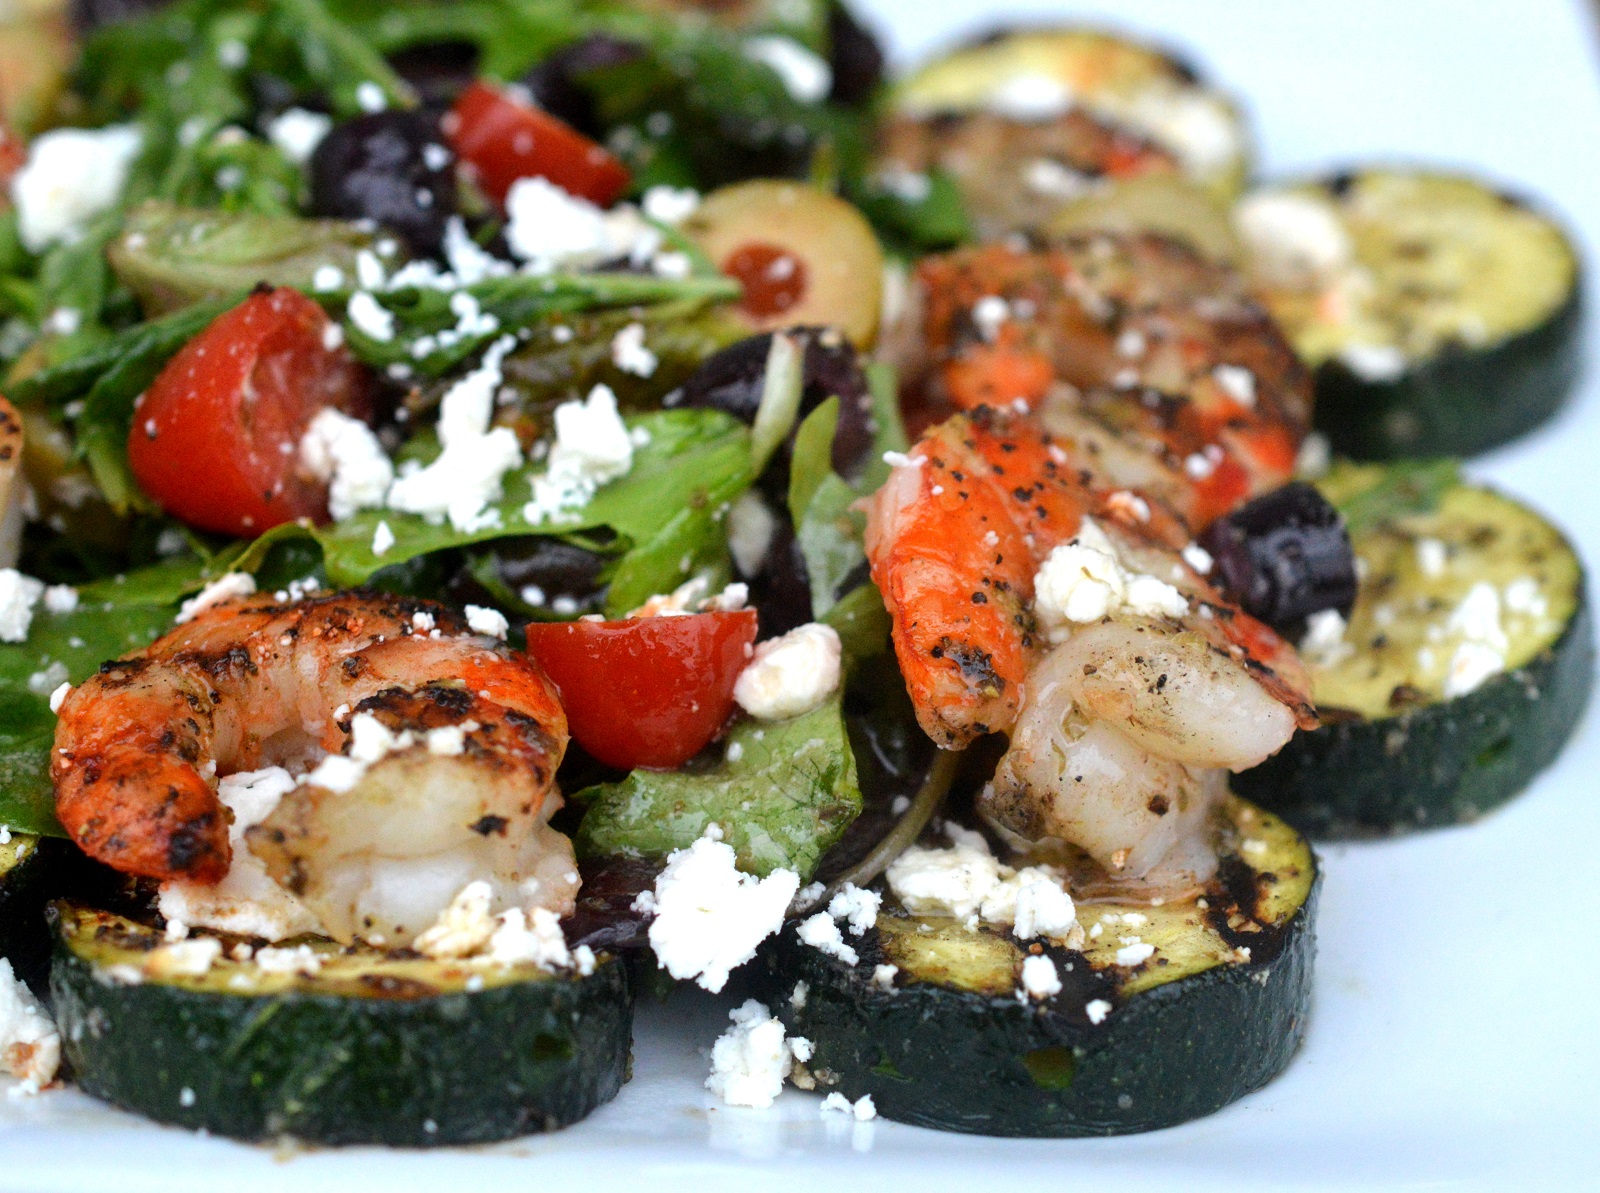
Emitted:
pixel 438 71
pixel 1283 557
pixel 556 84
pixel 855 56
pixel 392 167
pixel 780 592
pixel 88 15
pixel 731 381
pixel 561 571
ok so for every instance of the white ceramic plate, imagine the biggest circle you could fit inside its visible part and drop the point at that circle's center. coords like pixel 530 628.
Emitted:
pixel 1454 1041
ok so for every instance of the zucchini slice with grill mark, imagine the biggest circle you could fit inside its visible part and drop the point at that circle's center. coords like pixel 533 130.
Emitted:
pixel 1441 316
pixel 1029 121
pixel 25 862
pixel 1466 664
pixel 1217 1011
pixel 372 1048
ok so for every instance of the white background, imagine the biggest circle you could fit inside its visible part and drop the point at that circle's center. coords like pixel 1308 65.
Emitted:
pixel 1455 1040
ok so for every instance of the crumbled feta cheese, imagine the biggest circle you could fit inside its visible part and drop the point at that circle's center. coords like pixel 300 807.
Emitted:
pixel 63 321
pixel 1030 95
pixel 862 1109
pixel 30 1046
pixel 1136 953
pixel 592 447
pixel 1042 906
pixel 821 933
pixel 468 472
pixel 301 959
pixel 797 996
pixel 71 176
pixel 463 927
pixel 791 674
pixel 469 263
pixel 1432 556
pixel 59 696
pixel 1083 580
pixel 483 620
pixel 988 314
pixel 709 917
pixel 629 354
pixel 672 265
pixel 1294 239
pixel 1129 505
pixel 1374 362
pixel 750 1060
pixel 326 278
pixel 1522 596
pixel 1238 382
pixel 806 76
pixel 1324 643
pixel 1047 176
pixel 1097 1009
pixel 546 226
pixel 1481 653
pixel 531 937
pixel 184 958
pixel 297 133
pixel 226 587
pixel 247 902
pixel 1040 978
pixel 857 906
pixel 670 205
pixel 60 598
pixel 344 453
pixel 1197 126
pixel 370 317
pixel 370 97
pixel 883 976
pixel 751 527
pixel 1198 558
pixel 18 595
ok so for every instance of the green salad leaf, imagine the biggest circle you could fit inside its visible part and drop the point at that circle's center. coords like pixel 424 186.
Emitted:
pixel 782 794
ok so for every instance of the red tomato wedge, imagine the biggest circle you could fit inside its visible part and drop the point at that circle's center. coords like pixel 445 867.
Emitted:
pixel 216 439
pixel 500 139
pixel 646 691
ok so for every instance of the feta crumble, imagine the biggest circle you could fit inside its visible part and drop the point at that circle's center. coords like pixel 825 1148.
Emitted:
pixel 1136 953
pixel 344 453
pixel 750 1060
pixel 18 595
pixel 297 133
pixel 71 176
pixel 857 906
pixel 474 458
pixel 30 1046
pixel 1097 1009
pixel 821 933
pixel 629 354
pixel 1032 96
pixel 592 447
pixel 1294 240
pixel 862 1109
pixel 806 76
pixel 382 539
pixel 483 620
pixel 370 317
pixel 792 674
pixel 669 205
pixel 1084 580
pixel 1040 978
pixel 1324 642
pixel 709 917
pixel 226 587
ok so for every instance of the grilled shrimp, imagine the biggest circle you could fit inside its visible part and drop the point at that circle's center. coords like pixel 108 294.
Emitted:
pixel 1126 337
pixel 12 484
pixel 448 747
pixel 1119 715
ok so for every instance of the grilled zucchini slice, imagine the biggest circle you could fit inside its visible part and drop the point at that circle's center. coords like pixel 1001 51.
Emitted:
pixel 1441 316
pixel 24 939
pixel 371 1048
pixel 1467 661
pixel 1216 1011
pixel 1029 121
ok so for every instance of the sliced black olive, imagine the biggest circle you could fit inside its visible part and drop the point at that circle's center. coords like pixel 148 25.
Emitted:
pixel 556 84
pixel 1283 557
pixel 731 381
pixel 391 167
pixel 855 56
pixel 438 71
pixel 780 592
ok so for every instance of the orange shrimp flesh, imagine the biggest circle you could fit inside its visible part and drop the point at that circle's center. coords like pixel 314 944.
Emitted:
pixel 1135 332
pixel 252 683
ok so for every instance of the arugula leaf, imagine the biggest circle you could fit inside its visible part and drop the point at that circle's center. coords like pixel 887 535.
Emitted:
pixel 913 224
pixel 1367 496
pixel 787 793
pixel 60 646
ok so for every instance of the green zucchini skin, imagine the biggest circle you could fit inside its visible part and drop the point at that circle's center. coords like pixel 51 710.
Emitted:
pixel 1460 402
pixel 395 1068
pixel 955 1060
pixel 24 888
pixel 1436 765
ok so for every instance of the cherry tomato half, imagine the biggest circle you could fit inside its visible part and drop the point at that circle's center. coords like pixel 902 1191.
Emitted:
pixel 216 440
pixel 500 139
pixel 646 691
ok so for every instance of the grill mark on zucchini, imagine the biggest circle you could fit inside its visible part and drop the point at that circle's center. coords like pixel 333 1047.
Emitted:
pixel 1472 295
pixel 1398 754
pixel 950 1046
pixel 388 1048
